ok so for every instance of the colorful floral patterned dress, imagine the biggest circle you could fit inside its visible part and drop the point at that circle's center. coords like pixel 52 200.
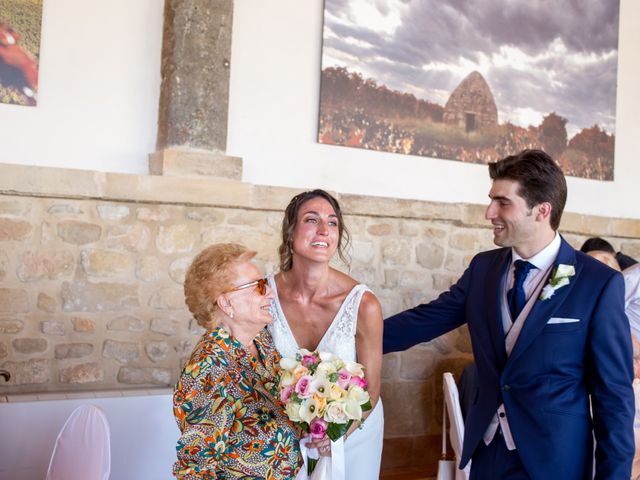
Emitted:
pixel 228 410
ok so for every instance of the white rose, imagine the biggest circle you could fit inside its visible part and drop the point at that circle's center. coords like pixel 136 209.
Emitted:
pixel 288 364
pixel 353 410
pixel 357 394
pixel 355 369
pixel 304 351
pixel 547 292
pixel 335 413
pixel 326 356
pixel 293 411
pixel 325 369
pixel 562 282
pixel 338 363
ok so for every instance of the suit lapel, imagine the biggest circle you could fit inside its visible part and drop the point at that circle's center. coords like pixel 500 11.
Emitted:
pixel 544 309
pixel 493 294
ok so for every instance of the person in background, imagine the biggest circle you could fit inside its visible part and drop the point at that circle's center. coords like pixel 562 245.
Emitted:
pixel 606 258
pixel 597 245
pixel 226 402
pixel 632 309
pixel 549 334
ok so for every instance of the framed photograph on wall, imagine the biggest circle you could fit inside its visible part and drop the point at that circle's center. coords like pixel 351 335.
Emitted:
pixel 20 28
pixel 473 81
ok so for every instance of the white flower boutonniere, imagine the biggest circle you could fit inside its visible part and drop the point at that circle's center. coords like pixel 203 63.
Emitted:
pixel 559 278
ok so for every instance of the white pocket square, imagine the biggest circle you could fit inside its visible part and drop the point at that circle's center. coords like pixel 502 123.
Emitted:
pixel 562 320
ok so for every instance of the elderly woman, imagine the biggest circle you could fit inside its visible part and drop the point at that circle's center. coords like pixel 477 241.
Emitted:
pixel 226 403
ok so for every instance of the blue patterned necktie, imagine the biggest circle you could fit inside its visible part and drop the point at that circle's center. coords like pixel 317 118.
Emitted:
pixel 516 296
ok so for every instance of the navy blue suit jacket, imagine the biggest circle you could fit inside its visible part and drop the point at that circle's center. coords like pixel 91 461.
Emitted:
pixel 546 382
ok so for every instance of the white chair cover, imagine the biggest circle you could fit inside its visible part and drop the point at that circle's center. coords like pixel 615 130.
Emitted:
pixel 446 468
pixel 456 429
pixel 82 450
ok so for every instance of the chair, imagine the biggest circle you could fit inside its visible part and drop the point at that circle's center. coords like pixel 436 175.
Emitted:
pixel 82 450
pixel 456 429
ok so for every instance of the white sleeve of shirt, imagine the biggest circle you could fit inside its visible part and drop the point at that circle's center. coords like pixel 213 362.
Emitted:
pixel 632 298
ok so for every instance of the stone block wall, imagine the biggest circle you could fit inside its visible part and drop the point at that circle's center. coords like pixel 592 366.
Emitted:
pixel 91 273
pixel 91 291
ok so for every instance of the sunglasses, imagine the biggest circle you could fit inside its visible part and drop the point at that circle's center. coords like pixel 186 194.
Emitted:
pixel 261 286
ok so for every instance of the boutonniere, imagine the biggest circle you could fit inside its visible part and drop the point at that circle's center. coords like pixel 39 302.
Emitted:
pixel 559 278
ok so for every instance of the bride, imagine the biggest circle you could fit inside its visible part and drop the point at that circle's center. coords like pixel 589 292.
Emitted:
pixel 320 308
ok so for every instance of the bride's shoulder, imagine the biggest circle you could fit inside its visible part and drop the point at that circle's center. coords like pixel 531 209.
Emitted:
pixel 344 282
pixel 347 284
pixel 369 304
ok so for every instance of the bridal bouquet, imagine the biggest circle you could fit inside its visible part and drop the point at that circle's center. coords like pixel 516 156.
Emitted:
pixel 322 393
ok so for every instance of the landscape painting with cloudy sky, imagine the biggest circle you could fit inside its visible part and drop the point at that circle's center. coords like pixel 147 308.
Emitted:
pixel 473 80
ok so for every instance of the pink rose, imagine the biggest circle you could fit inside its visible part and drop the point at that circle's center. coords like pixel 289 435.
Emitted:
pixel 344 378
pixel 285 393
pixel 308 360
pixel 303 387
pixel 359 382
pixel 318 428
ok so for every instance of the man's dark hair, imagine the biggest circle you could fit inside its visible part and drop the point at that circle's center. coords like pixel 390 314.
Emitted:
pixel 597 243
pixel 539 178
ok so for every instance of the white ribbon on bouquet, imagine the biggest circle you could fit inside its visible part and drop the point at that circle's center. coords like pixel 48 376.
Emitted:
pixel 327 468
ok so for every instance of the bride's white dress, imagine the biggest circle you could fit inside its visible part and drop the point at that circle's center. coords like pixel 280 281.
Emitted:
pixel 363 448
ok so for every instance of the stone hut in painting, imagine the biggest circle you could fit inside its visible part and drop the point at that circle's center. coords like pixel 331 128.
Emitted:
pixel 471 105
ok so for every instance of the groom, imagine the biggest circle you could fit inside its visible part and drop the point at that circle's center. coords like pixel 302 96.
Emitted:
pixel 550 339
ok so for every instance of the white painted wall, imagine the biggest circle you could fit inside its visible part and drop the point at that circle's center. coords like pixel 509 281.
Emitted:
pixel 274 106
pixel 143 435
pixel 99 85
pixel 98 88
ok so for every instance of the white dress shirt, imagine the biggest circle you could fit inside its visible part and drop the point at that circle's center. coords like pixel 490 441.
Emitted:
pixel 543 261
pixel 632 297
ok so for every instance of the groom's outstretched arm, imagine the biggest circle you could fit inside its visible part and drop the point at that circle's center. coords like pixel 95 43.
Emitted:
pixel 429 320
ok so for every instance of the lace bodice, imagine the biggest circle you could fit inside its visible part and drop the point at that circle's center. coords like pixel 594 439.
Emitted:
pixel 363 448
pixel 340 337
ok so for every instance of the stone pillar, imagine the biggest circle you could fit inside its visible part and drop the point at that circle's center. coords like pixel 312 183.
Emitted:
pixel 194 93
